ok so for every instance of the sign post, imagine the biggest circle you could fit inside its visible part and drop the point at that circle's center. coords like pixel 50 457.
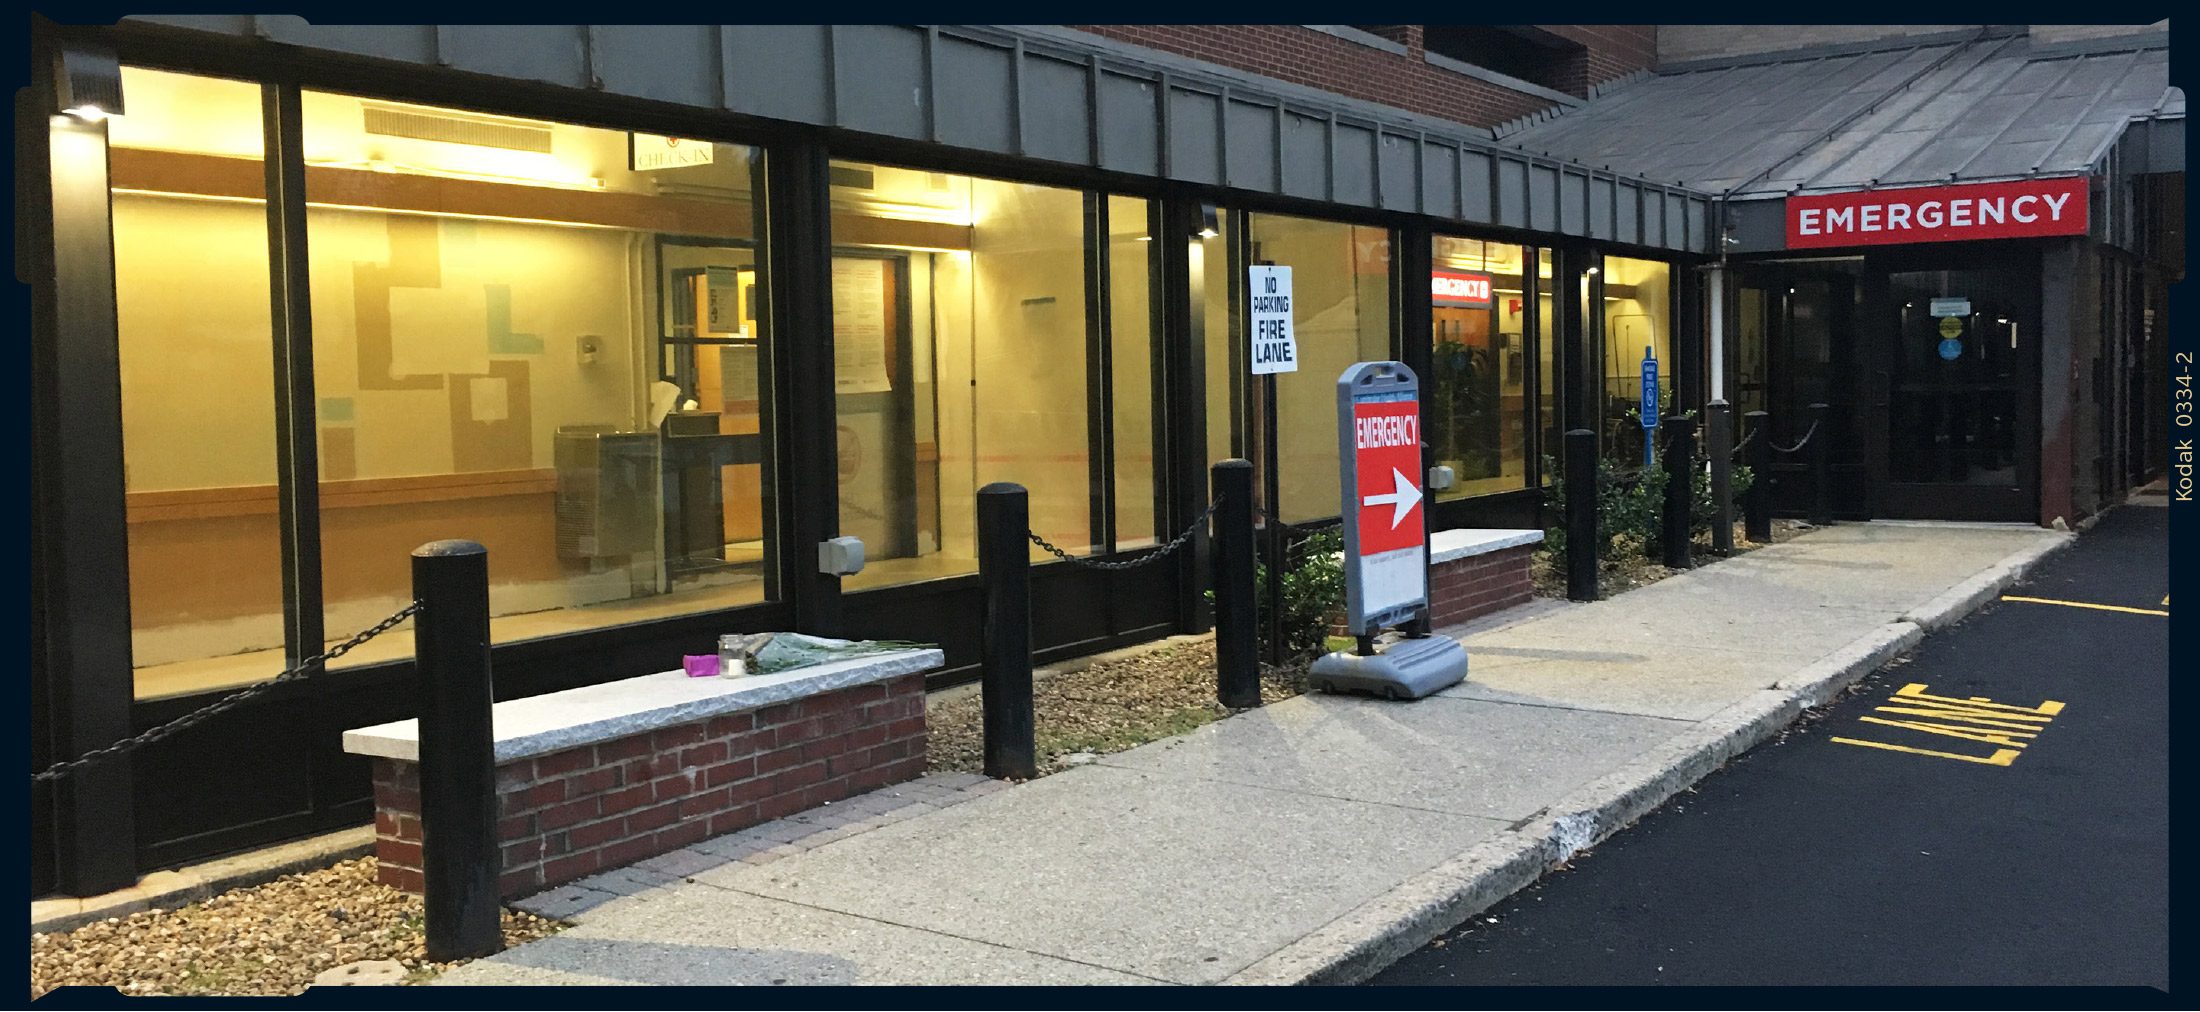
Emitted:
pixel 1649 409
pixel 1385 538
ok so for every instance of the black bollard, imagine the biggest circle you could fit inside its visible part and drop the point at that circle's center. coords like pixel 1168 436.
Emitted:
pixel 1237 641
pixel 1718 434
pixel 1757 503
pixel 1004 566
pixel 1821 465
pixel 1680 493
pixel 1581 515
pixel 459 856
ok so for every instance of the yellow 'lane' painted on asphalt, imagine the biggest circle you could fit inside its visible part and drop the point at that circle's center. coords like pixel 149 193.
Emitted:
pixel 2001 757
pixel 1966 718
pixel 2084 604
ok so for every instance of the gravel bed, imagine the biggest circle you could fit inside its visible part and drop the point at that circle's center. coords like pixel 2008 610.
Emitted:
pixel 1108 706
pixel 268 939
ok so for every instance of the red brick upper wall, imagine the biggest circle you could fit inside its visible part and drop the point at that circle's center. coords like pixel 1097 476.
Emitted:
pixel 1316 59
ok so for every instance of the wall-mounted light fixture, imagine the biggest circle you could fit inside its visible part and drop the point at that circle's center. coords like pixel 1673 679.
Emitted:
pixel 1210 221
pixel 87 84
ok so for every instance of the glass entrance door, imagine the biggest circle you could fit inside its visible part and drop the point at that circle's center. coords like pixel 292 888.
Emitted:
pixel 1958 354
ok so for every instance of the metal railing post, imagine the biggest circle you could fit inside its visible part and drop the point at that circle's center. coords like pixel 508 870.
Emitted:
pixel 1680 492
pixel 460 859
pixel 1821 466
pixel 1581 515
pixel 1004 565
pixel 1237 641
pixel 1757 503
pixel 1718 437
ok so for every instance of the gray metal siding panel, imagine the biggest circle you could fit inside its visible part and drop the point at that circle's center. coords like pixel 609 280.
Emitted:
pixel 1512 192
pixel 1601 198
pixel 1477 197
pixel 1130 124
pixel 976 95
pixel 669 63
pixel 1440 180
pixel 779 71
pixel 1398 159
pixel 1057 110
pixel 1543 199
pixel 1195 135
pixel 1628 216
pixel 1250 161
pixel 1355 182
pixel 1676 221
pixel 239 25
pixel 557 54
pixel 408 43
pixel 1305 156
pixel 889 61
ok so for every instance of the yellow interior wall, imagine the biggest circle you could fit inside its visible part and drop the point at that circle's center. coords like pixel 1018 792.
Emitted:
pixel 1340 315
pixel 1131 356
pixel 1028 297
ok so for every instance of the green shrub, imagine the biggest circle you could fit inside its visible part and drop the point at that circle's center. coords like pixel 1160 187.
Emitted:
pixel 1631 508
pixel 1313 593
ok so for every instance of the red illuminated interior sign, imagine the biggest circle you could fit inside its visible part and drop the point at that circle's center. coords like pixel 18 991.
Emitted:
pixel 1459 289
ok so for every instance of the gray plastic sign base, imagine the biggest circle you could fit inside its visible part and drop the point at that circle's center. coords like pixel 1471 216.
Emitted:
pixel 1407 669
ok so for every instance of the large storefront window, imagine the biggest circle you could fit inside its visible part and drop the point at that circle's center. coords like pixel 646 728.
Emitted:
pixel 545 338
pixel 1131 334
pixel 1637 316
pixel 1341 314
pixel 1474 400
pixel 961 347
pixel 198 386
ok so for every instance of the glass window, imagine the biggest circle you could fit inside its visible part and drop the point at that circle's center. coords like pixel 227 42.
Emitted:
pixel 1214 299
pixel 1549 399
pixel 960 348
pixel 545 338
pixel 1340 314
pixel 198 383
pixel 1131 364
pixel 1474 400
pixel 1638 316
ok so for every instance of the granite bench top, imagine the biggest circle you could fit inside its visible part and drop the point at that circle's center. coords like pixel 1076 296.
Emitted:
pixel 588 714
pixel 1453 545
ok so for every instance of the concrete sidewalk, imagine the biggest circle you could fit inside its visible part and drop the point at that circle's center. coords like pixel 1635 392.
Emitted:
pixel 1309 841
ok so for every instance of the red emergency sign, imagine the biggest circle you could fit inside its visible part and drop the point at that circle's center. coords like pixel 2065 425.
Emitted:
pixel 1459 289
pixel 1387 460
pixel 2012 210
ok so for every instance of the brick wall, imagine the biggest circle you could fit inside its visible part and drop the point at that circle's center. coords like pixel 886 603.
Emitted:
pixel 568 814
pixel 1478 585
pixel 1316 59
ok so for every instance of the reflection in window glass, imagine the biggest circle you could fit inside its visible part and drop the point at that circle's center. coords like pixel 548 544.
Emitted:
pixel 541 337
pixel 1340 309
pixel 1474 400
pixel 198 388
pixel 1638 315
pixel 1130 358
pixel 959 346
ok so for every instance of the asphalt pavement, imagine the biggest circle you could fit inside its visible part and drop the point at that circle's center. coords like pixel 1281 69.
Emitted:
pixel 1968 832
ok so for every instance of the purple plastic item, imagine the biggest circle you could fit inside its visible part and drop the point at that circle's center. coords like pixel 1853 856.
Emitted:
pixel 700 665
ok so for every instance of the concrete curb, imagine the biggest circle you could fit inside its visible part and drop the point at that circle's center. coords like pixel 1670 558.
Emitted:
pixel 162 890
pixel 1966 597
pixel 1361 943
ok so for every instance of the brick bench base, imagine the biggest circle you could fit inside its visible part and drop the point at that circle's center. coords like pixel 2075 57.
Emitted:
pixel 569 813
pixel 1477 585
